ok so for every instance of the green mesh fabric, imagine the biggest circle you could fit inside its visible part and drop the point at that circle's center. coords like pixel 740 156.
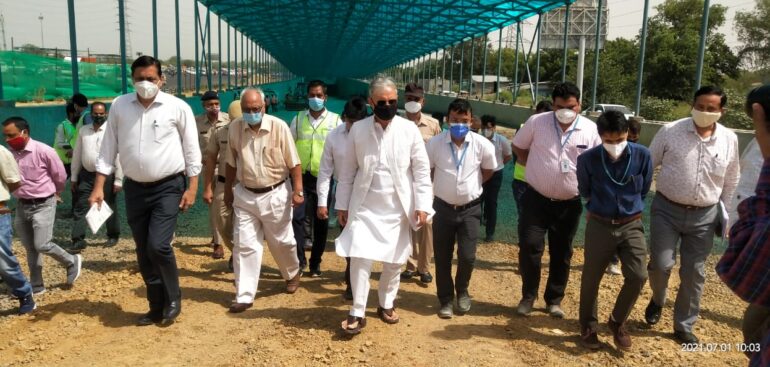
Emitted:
pixel 356 38
pixel 36 78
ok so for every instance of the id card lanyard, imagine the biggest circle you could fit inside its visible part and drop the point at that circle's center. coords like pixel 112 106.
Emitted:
pixel 564 162
pixel 458 163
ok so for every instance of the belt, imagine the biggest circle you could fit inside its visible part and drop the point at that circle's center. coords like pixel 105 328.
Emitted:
pixel 221 179
pixel 576 197
pixel 263 190
pixel 683 206
pixel 156 183
pixel 616 221
pixel 35 201
pixel 460 207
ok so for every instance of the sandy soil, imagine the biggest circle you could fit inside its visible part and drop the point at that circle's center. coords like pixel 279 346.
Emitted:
pixel 93 323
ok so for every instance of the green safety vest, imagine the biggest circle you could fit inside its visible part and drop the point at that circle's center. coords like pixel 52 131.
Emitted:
pixel 310 141
pixel 70 134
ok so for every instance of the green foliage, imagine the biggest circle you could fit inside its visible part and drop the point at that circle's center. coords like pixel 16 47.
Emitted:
pixel 735 117
pixel 752 28
pixel 658 109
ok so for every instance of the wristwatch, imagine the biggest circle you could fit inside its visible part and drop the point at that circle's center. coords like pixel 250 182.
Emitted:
pixel 299 193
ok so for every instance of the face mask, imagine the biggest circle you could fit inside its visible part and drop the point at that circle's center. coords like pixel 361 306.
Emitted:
pixel 17 143
pixel 98 120
pixel 146 89
pixel 316 104
pixel 386 112
pixel 412 107
pixel 565 115
pixel 458 130
pixel 705 119
pixel 489 133
pixel 252 118
pixel 615 150
pixel 213 109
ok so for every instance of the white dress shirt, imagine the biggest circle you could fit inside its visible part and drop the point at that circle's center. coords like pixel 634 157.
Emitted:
pixel 86 152
pixel 459 186
pixel 153 142
pixel 502 149
pixel 335 148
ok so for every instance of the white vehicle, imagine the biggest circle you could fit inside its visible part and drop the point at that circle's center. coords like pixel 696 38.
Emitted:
pixel 602 108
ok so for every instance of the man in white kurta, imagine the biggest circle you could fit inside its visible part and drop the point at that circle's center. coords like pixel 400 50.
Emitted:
pixel 384 189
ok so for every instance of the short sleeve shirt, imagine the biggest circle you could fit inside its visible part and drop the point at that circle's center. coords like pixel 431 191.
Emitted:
pixel 9 173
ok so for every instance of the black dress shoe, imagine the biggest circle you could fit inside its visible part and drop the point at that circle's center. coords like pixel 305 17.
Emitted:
pixel 685 337
pixel 408 274
pixel 652 313
pixel 426 277
pixel 111 242
pixel 152 317
pixel 171 312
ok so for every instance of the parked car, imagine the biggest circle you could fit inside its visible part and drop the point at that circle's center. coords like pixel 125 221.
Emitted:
pixel 602 108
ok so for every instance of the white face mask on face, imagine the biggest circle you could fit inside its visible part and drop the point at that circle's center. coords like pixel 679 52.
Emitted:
pixel 146 89
pixel 565 115
pixel 615 150
pixel 705 119
pixel 412 106
pixel 489 133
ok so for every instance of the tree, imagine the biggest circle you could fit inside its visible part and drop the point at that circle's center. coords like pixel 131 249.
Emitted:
pixel 753 28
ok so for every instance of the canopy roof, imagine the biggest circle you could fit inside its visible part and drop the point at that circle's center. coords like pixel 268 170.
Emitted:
pixel 354 38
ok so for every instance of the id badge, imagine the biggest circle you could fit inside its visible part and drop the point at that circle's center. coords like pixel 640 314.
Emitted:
pixel 564 164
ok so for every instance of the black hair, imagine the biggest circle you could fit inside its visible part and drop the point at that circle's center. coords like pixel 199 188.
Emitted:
pixel 97 103
pixel 544 106
pixel 711 90
pixel 612 122
pixel 759 95
pixel 635 125
pixel 565 90
pixel 316 83
pixel 145 61
pixel 70 108
pixel 79 99
pixel 355 109
pixel 209 95
pixel 17 121
pixel 488 120
pixel 460 105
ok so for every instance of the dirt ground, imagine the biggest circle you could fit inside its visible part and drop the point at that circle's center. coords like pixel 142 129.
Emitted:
pixel 93 323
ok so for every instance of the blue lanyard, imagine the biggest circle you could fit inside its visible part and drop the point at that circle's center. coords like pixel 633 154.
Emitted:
pixel 569 133
pixel 462 156
pixel 621 183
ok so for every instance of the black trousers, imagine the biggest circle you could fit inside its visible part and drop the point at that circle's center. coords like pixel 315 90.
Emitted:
pixel 558 220
pixel 152 213
pixel 320 227
pixel 80 201
pixel 450 225
pixel 489 201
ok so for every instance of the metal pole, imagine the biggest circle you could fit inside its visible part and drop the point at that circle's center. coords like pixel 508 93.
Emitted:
pixel 537 59
pixel 451 67
pixel 596 53
pixel 243 62
pixel 73 47
pixel 640 69
pixel 484 70
pixel 155 28
pixel 564 52
pixel 515 90
pixel 473 54
pixel 704 25
pixel 581 65
pixel 208 38
pixel 197 53
pixel 462 61
pixel 122 26
pixel 229 85
pixel 235 56
pixel 219 53
pixel 179 74
pixel 499 61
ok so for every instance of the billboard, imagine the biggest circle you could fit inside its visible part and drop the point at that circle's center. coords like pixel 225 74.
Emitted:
pixel 582 23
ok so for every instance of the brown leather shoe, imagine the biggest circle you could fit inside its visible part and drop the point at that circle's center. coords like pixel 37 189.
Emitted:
pixel 239 307
pixel 293 283
pixel 589 339
pixel 619 334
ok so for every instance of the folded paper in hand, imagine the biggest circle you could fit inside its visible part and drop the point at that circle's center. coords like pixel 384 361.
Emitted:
pixel 97 216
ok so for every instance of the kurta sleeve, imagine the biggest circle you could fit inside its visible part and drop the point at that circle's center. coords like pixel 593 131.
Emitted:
pixel 422 185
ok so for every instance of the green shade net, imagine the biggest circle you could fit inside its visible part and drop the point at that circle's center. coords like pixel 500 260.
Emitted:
pixel 35 78
pixel 355 38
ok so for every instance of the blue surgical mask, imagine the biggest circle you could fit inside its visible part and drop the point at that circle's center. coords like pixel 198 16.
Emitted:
pixel 252 118
pixel 316 104
pixel 458 130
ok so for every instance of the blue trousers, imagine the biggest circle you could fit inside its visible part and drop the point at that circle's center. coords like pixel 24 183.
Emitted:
pixel 10 270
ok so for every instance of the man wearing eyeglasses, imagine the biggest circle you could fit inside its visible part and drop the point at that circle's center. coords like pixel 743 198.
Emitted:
pixel 383 190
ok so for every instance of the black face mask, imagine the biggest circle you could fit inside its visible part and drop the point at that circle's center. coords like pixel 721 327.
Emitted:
pixel 385 112
pixel 99 119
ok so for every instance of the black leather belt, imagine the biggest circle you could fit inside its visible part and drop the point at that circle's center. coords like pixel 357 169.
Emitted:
pixel 156 183
pixel 458 208
pixel 263 190
pixel 616 221
pixel 221 179
pixel 683 206
pixel 35 201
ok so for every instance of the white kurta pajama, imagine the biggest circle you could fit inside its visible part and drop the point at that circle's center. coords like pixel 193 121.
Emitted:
pixel 382 182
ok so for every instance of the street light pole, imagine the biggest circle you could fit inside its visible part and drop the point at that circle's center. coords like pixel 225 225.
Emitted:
pixel 42 42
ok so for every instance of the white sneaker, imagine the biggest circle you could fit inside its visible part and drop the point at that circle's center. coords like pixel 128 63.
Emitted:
pixel 614 269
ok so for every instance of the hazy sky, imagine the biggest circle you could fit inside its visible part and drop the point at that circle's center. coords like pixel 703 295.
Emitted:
pixel 97 24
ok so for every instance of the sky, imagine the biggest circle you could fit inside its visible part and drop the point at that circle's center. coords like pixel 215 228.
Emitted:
pixel 97 24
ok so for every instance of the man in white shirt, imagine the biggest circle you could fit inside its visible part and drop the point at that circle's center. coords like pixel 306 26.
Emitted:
pixel 503 154
pixel 157 140
pixel 335 149
pixel 87 147
pixel 460 162
pixel 383 190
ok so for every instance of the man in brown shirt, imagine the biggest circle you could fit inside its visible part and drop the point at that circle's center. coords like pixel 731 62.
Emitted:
pixel 260 156
pixel 207 123
pixel 422 240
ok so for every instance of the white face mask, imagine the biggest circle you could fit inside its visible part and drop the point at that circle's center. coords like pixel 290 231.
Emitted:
pixel 412 107
pixel 146 89
pixel 615 150
pixel 565 115
pixel 705 119
pixel 488 133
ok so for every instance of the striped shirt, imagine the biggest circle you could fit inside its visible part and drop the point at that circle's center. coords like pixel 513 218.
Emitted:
pixel 543 137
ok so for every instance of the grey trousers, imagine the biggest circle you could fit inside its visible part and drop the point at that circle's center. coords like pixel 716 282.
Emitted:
pixel 34 224
pixel 602 242
pixel 693 231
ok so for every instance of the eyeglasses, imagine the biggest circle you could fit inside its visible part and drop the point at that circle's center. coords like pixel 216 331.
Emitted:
pixel 383 103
